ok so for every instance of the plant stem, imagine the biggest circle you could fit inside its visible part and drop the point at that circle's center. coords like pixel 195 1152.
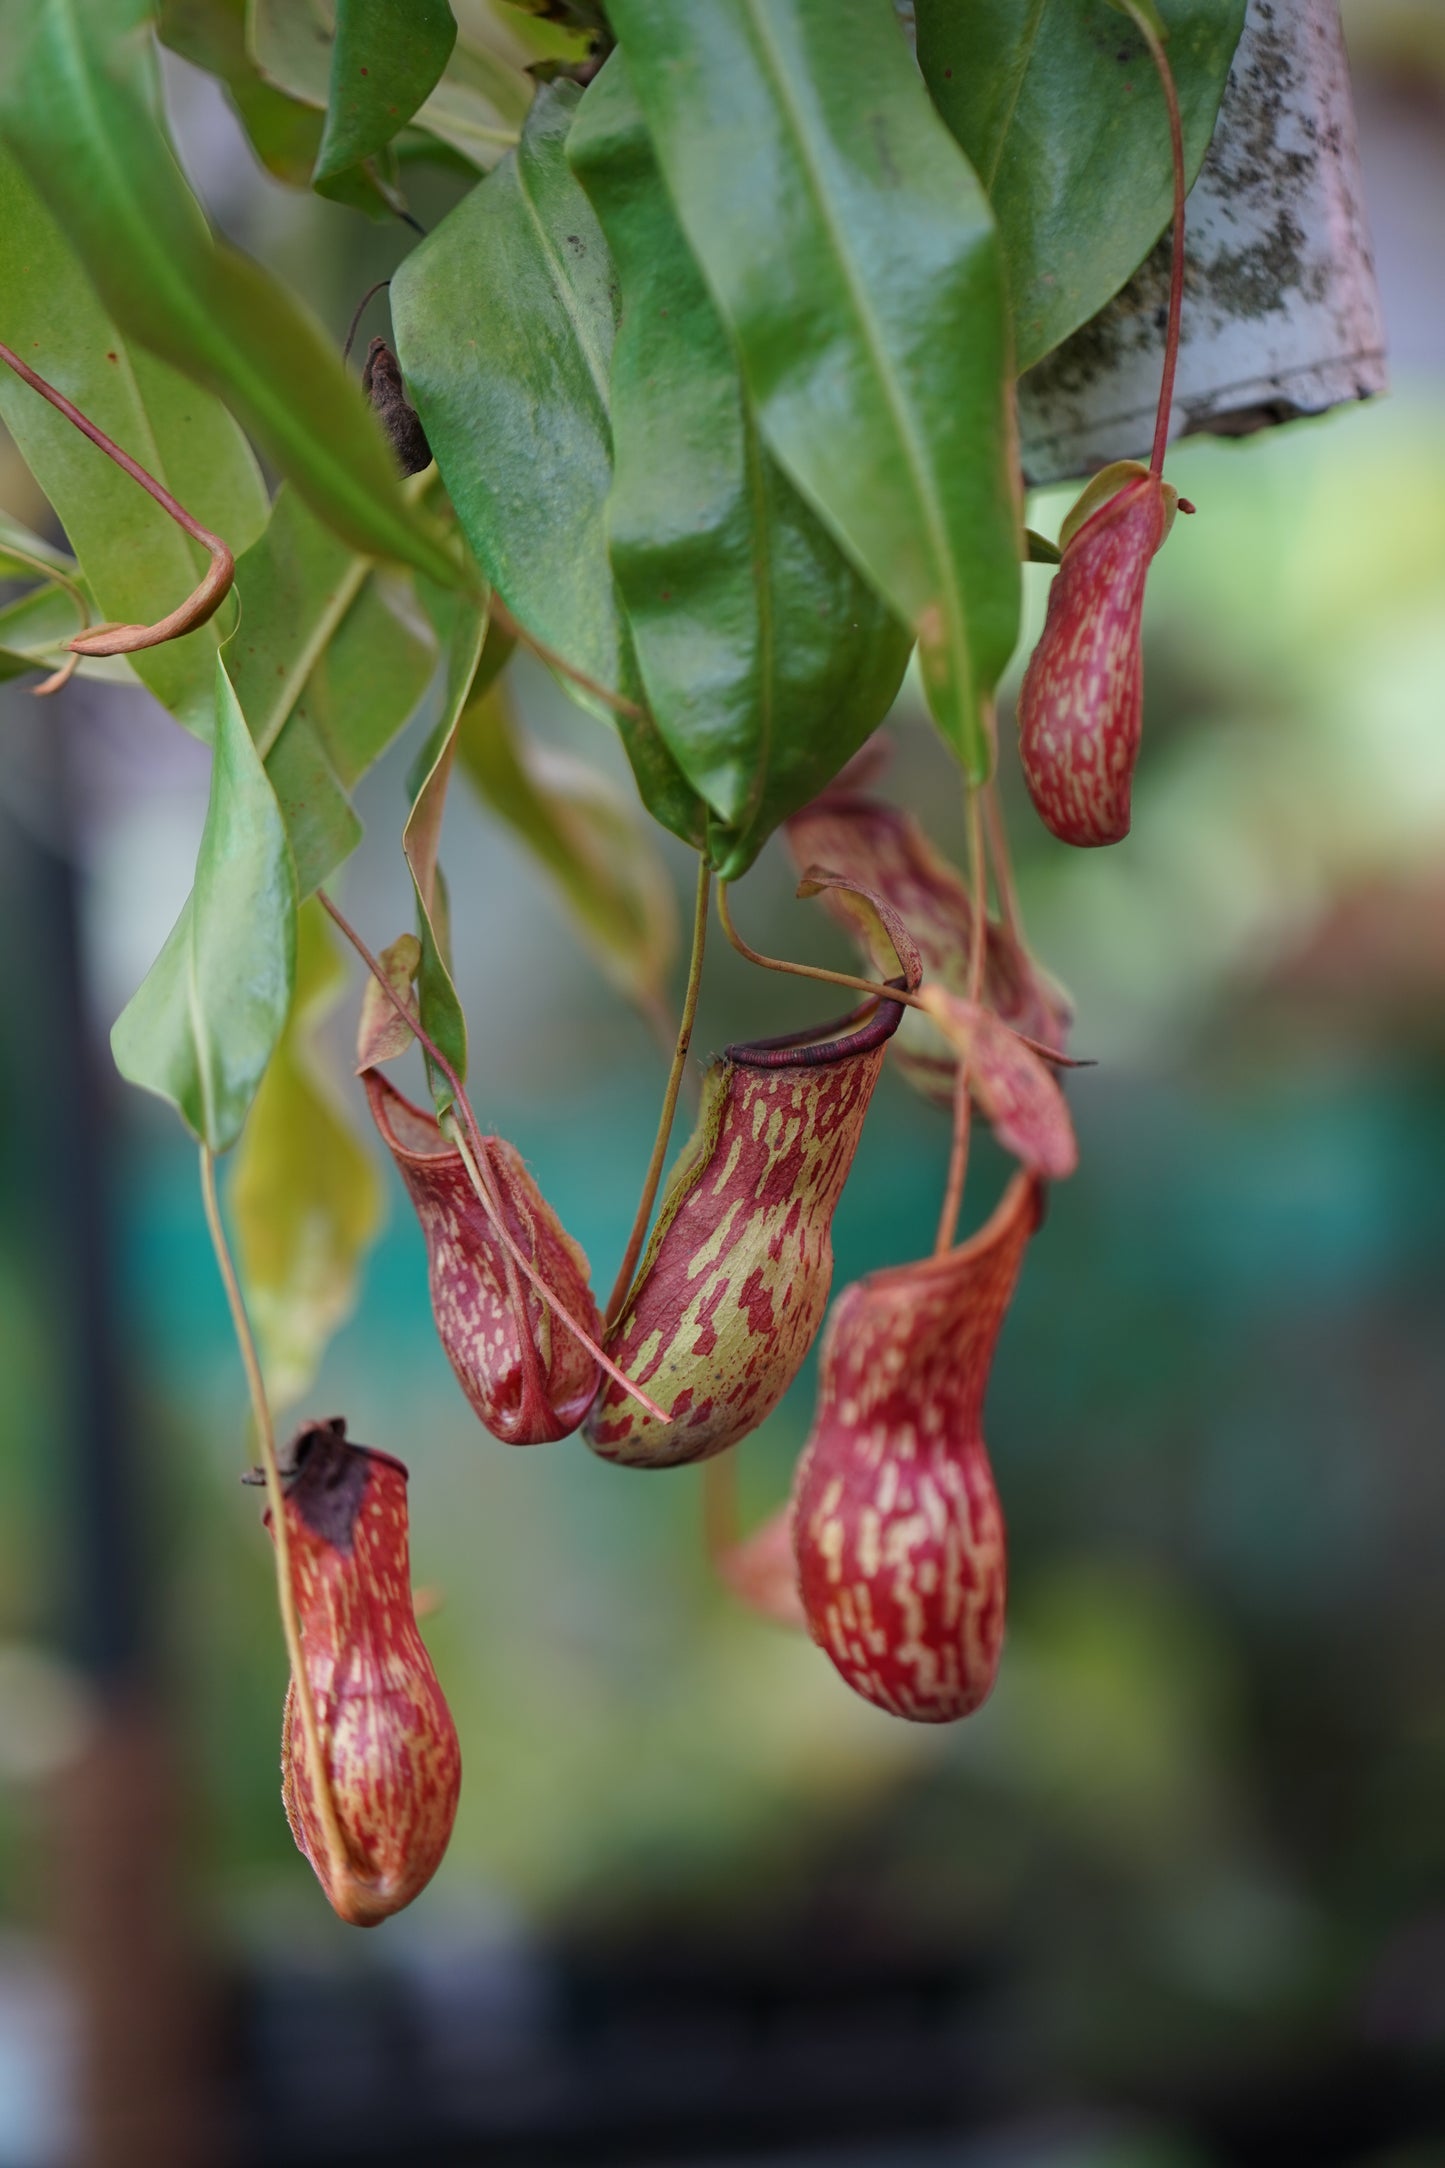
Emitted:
pixel 879 991
pixel 203 601
pixel 489 1203
pixel 962 1104
pixel 342 1869
pixel 622 1285
pixel 1003 872
pixel 1165 73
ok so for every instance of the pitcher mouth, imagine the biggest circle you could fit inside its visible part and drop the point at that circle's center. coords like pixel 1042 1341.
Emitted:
pixel 823 1044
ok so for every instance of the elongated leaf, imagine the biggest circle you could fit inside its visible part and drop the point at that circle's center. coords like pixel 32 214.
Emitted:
pixel 384 64
pixel 305 1194
pixel 603 866
pixel 767 659
pixel 329 662
pixel 205 1020
pixel 852 252
pixel 440 1010
pixel 136 559
pixel 516 409
pixel 1058 106
pixel 80 107
pixel 211 34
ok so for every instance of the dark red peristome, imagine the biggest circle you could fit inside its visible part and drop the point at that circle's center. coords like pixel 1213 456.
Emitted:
pixel 390 1744
pixel 1081 702
pixel 884 849
pixel 529 1385
pixel 899 1536
pixel 735 1279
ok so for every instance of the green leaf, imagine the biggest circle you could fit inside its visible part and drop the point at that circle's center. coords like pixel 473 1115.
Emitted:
pixel 852 252
pixel 331 657
pixel 384 64
pixel 1060 110
pixel 205 1020
pixel 211 34
pixel 603 866
pixel 305 1196
pixel 438 1005
pixel 21 550
pixel 80 107
pixel 516 410
pixel 136 560
pixel 767 660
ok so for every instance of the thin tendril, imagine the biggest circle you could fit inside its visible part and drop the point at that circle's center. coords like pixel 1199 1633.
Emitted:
pixel 341 1865
pixel 1165 73
pixel 358 312
pixel 1003 872
pixel 203 601
pixel 507 623
pixel 875 987
pixel 962 1104
pixel 622 1285
pixel 479 1148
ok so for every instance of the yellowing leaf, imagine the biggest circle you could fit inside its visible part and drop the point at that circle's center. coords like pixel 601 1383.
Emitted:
pixel 305 1196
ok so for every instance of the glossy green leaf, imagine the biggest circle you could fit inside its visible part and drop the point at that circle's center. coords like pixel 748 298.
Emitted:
pixel 513 391
pixel 438 1005
pixel 1060 110
pixel 80 107
pixel 305 1197
pixel 852 252
pixel 766 658
pixel 206 1018
pixel 136 559
pixel 604 868
pixel 385 62
pixel 331 657
pixel 211 34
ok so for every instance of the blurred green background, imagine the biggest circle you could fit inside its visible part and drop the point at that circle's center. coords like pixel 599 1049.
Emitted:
pixel 1177 1895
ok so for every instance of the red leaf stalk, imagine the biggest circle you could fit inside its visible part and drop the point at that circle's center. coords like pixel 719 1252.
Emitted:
pixel 203 601
pixel 899 1535
pixel 390 1748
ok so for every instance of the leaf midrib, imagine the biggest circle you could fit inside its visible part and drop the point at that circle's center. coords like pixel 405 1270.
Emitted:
pixel 934 523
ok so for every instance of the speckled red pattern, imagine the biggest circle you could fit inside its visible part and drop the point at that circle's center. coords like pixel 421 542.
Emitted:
pixel 528 1383
pixel 736 1277
pixel 884 849
pixel 390 1743
pixel 1081 702
pixel 899 1536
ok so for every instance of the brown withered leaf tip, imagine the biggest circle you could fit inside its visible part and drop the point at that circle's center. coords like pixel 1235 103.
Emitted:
pixel 882 847
pixel 384 389
pixel 899 1534
pixel 1016 1089
pixel 390 1745
pixel 1081 702
pixel 735 1279
pixel 527 1377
